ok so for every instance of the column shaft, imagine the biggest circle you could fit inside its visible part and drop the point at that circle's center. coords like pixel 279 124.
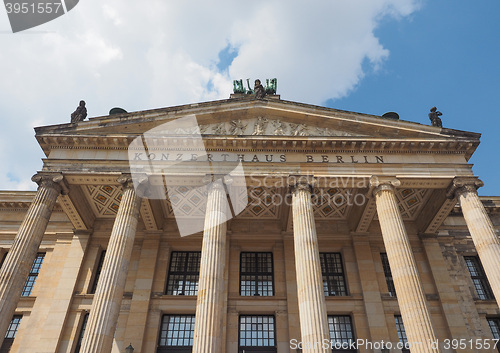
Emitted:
pixel 483 235
pixel 103 317
pixel 209 307
pixel 311 297
pixel 409 289
pixel 20 258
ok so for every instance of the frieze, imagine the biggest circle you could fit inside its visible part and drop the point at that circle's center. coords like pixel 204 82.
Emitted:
pixel 264 126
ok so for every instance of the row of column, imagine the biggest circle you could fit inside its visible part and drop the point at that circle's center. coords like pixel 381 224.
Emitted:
pixel 209 310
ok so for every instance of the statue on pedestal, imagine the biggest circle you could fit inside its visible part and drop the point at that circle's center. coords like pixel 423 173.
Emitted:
pixel 80 113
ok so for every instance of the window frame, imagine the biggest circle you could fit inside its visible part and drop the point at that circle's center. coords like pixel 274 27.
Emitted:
pixel 33 274
pixel 262 349
pixel 81 334
pixel 389 280
pixel 495 332
pixel 401 331
pixel 8 341
pixel 184 273
pixel 178 348
pixel 480 281
pixel 333 340
pixel 326 274
pixel 97 274
pixel 256 274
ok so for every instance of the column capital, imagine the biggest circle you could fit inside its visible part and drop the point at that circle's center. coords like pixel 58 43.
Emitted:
pixel 379 183
pixel 51 180
pixel 301 182
pixel 212 181
pixel 137 181
pixel 461 185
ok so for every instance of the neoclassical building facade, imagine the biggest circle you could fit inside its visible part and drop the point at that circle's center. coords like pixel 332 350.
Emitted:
pixel 250 225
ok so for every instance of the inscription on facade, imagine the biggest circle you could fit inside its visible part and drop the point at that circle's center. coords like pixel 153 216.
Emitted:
pixel 258 158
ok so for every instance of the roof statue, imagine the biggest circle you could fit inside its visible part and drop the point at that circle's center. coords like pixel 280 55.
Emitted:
pixel 259 90
pixel 434 116
pixel 80 113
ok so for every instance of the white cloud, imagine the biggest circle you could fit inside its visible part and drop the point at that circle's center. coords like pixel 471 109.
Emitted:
pixel 141 55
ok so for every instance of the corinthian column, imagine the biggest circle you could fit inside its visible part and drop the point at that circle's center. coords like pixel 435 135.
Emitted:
pixel 101 324
pixel 20 258
pixel 211 294
pixel 310 293
pixel 409 289
pixel 480 228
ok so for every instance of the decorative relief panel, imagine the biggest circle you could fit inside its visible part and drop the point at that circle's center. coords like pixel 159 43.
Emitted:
pixel 188 201
pixel 104 199
pixel 263 202
pixel 332 203
pixel 411 201
pixel 269 127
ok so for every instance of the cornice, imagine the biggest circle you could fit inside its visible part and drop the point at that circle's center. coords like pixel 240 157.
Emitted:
pixel 290 144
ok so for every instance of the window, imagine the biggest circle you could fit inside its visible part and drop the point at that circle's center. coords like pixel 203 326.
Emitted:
pixel 341 333
pixel 35 270
pixel 401 332
pixel 184 273
pixel 257 333
pixel 11 333
pixel 176 335
pixel 333 274
pixel 256 274
pixel 82 332
pixel 478 276
pixel 388 275
pixel 98 272
pixel 494 324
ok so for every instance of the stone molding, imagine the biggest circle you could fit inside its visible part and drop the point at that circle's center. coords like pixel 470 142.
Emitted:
pixel 462 185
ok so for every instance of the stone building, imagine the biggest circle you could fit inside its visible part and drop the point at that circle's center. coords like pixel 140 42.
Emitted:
pixel 268 226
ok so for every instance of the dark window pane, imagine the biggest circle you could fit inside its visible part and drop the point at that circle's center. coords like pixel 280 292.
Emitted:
pixel 13 327
pixel 35 270
pixel 388 275
pixel 82 332
pixel 256 274
pixel 98 272
pixel 333 274
pixel 184 273
pixel 479 279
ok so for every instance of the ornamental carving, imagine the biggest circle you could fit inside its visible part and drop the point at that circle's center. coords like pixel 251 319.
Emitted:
pixel 262 126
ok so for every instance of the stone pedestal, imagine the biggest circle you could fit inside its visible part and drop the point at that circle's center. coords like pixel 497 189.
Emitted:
pixel 19 260
pixel 480 228
pixel 409 289
pixel 311 297
pixel 103 316
pixel 208 330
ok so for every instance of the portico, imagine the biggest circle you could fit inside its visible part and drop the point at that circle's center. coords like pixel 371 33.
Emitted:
pixel 322 191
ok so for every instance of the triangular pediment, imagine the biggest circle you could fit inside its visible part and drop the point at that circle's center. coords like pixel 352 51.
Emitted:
pixel 246 117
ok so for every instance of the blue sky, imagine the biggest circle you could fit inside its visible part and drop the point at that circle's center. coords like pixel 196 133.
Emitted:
pixel 369 56
pixel 447 54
